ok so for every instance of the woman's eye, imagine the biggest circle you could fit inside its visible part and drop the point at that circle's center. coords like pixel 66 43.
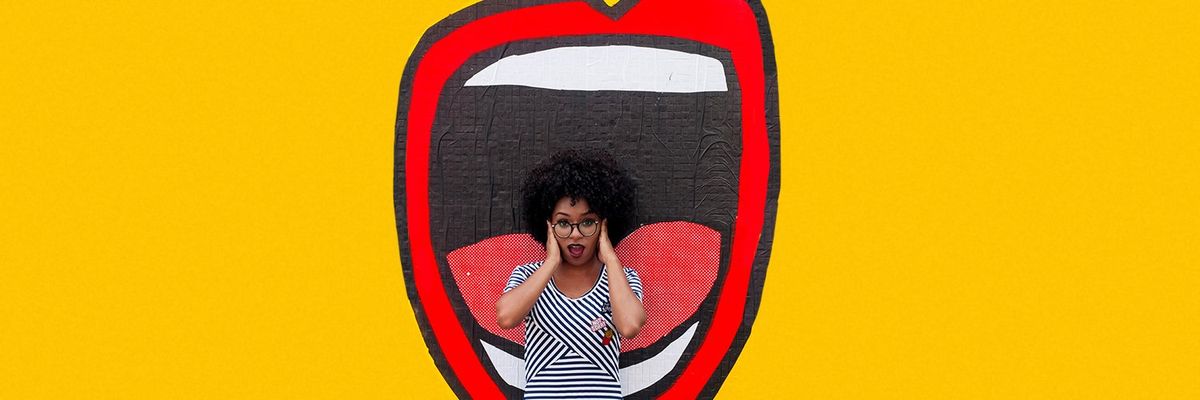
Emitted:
pixel 588 223
pixel 563 224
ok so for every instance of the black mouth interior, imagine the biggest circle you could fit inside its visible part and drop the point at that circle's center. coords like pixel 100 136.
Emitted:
pixel 682 149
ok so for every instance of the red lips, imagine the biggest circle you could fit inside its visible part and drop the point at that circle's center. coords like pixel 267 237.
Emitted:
pixel 738 27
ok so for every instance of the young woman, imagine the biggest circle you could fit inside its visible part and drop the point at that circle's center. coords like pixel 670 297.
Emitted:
pixel 579 302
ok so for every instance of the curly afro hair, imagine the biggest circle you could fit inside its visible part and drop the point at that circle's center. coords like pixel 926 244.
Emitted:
pixel 592 175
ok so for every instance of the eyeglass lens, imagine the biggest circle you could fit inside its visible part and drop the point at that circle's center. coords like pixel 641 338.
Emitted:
pixel 588 227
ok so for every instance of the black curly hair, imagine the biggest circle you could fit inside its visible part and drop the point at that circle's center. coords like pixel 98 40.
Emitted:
pixel 592 175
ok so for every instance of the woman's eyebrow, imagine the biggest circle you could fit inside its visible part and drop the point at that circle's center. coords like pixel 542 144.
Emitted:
pixel 585 213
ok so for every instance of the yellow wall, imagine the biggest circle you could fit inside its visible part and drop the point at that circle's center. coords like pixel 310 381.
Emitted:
pixel 980 200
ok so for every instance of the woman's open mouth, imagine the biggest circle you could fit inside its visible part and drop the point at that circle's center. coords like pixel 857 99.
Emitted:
pixel 575 250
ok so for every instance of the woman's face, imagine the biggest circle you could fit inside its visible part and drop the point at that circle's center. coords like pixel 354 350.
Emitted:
pixel 577 249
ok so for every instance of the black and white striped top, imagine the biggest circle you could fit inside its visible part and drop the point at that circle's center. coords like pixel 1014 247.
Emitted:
pixel 565 352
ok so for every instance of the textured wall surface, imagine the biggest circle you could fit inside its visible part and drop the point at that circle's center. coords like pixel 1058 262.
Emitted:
pixel 979 200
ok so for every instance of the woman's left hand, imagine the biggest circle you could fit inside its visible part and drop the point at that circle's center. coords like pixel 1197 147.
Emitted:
pixel 607 255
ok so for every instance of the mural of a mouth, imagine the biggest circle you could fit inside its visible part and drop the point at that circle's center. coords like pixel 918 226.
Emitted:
pixel 501 86
pixel 681 145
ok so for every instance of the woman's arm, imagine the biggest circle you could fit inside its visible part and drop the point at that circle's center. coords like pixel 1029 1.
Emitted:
pixel 515 304
pixel 628 314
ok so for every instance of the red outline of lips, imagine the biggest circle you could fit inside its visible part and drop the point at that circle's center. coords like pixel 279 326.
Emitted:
pixel 691 20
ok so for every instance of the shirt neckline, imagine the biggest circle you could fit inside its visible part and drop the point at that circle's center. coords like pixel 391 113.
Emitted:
pixel 603 273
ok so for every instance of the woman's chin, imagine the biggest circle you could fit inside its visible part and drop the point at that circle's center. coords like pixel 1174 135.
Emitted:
pixel 583 260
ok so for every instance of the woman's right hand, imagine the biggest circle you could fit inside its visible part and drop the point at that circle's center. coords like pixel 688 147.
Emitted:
pixel 514 305
pixel 553 253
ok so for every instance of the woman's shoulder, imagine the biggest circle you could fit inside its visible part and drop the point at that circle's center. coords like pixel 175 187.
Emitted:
pixel 628 270
pixel 631 275
pixel 520 273
pixel 529 267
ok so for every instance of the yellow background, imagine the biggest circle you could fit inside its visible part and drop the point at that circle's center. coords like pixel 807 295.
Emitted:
pixel 981 199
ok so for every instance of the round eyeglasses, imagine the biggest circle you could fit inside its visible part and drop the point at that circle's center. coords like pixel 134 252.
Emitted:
pixel 587 228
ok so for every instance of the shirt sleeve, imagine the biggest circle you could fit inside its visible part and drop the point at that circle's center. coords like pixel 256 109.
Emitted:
pixel 519 275
pixel 635 282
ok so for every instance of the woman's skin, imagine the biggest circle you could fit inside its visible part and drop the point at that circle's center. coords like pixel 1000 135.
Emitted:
pixel 575 273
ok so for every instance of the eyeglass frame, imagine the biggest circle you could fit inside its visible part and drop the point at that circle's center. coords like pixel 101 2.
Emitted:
pixel 575 227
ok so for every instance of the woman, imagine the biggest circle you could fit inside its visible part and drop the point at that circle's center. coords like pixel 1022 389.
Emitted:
pixel 579 302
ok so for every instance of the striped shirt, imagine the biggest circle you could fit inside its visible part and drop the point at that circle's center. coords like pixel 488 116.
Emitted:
pixel 566 354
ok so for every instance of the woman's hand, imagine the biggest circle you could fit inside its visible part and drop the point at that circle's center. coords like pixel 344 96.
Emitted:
pixel 607 254
pixel 553 253
pixel 514 305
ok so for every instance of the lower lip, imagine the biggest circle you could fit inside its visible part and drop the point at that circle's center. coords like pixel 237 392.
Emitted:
pixel 575 251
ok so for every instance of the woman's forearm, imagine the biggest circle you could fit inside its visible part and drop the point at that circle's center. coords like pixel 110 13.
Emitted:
pixel 628 314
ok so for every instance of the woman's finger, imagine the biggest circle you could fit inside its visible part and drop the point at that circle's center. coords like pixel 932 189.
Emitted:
pixel 551 242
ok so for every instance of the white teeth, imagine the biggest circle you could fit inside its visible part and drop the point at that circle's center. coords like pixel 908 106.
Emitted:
pixel 633 378
pixel 592 68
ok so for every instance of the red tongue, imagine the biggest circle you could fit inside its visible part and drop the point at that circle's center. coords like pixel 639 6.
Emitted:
pixel 677 262
pixel 576 251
